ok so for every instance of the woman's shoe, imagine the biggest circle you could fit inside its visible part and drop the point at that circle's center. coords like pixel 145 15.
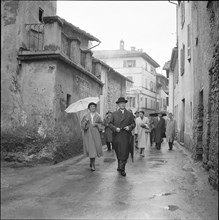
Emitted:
pixel 92 169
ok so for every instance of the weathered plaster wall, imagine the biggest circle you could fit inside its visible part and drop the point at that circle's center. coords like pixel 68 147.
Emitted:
pixel 14 16
pixel 76 84
pixel 38 81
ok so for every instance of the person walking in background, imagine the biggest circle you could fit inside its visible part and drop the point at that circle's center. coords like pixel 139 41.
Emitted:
pixel 159 126
pixel 122 123
pixel 92 125
pixel 152 133
pixel 133 134
pixel 143 130
pixel 171 130
pixel 107 131
pixel 135 131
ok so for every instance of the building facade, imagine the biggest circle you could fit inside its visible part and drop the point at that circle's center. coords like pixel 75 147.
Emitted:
pixel 115 85
pixel 46 66
pixel 195 70
pixel 140 68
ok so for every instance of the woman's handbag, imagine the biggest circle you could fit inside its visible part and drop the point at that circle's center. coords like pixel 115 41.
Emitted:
pixel 147 130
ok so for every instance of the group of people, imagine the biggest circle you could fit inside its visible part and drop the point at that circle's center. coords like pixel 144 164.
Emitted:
pixel 156 128
pixel 121 130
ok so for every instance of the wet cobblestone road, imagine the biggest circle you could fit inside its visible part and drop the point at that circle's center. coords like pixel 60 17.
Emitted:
pixel 162 185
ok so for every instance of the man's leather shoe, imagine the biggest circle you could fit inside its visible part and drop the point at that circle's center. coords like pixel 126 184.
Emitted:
pixel 123 173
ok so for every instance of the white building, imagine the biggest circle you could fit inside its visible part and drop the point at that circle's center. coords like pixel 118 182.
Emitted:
pixel 139 67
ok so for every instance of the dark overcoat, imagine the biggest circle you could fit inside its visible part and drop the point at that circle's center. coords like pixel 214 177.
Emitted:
pixel 122 140
pixel 159 128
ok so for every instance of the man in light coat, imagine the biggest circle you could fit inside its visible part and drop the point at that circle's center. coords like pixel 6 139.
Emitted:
pixel 122 123
pixel 171 130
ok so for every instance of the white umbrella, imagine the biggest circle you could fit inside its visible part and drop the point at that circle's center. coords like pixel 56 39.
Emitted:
pixel 81 104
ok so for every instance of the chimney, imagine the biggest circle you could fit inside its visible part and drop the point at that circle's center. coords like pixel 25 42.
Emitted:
pixel 132 48
pixel 121 45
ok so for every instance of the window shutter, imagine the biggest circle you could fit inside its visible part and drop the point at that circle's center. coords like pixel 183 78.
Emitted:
pixel 182 60
pixel 188 43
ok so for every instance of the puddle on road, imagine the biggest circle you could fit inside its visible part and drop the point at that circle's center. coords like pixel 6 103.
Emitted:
pixel 163 194
pixel 171 207
pixel 109 159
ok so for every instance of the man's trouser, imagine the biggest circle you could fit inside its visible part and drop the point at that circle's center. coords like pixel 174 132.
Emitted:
pixel 121 164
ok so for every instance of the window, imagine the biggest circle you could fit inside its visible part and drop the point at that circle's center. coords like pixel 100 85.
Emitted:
pixel 151 86
pixel 68 101
pixel 167 101
pixel 133 102
pixel 41 14
pixel 146 102
pixel 164 103
pixel 154 104
pixel 188 43
pixel 182 13
pixel 152 70
pixel 146 66
pixel 151 104
pixel 129 63
pixel 182 60
pixel 157 107
pixel 146 84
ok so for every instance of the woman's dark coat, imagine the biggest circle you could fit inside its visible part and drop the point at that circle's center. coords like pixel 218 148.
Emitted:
pixel 122 140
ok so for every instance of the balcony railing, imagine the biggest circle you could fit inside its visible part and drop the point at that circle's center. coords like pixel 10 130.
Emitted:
pixel 35 37
pixel 50 37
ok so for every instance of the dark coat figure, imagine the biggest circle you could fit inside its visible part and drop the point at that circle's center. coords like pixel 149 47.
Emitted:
pixel 122 124
pixel 108 131
pixel 159 130
pixel 152 133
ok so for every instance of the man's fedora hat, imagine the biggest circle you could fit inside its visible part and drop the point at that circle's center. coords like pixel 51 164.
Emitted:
pixel 121 99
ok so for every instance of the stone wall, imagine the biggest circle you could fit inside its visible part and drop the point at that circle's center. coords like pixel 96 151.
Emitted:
pixel 205 60
pixel 116 88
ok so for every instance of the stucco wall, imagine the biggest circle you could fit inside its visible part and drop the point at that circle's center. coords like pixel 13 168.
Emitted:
pixel 71 81
pixel 116 88
pixel 14 16
pixel 38 80
pixel 184 88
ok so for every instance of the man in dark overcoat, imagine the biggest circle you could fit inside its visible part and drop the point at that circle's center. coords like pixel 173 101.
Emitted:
pixel 122 123
pixel 159 130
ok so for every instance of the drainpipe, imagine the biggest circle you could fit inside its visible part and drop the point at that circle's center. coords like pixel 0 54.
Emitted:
pixel 176 21
pixel 94 46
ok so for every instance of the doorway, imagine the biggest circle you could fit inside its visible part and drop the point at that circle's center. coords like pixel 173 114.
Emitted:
pixel 199 150
pixel 182 122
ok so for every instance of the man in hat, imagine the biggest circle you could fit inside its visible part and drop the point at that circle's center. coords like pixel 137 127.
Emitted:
pixel 122 123
pixel 159 130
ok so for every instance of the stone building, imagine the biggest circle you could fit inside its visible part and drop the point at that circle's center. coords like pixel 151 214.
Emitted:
pixel 115 86
pixel 139 67
pixel 194 66
pixel 162 92
pixel 46 65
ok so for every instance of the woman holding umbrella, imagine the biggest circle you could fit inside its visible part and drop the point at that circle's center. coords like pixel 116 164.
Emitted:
pixel 92 125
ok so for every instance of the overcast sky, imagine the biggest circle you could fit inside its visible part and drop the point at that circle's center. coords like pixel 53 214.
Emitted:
pixel 147 25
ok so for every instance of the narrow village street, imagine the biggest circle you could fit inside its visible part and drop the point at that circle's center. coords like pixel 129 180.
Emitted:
pixel 162 185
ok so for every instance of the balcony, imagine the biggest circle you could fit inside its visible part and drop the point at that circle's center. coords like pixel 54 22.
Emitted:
pixel 49 38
